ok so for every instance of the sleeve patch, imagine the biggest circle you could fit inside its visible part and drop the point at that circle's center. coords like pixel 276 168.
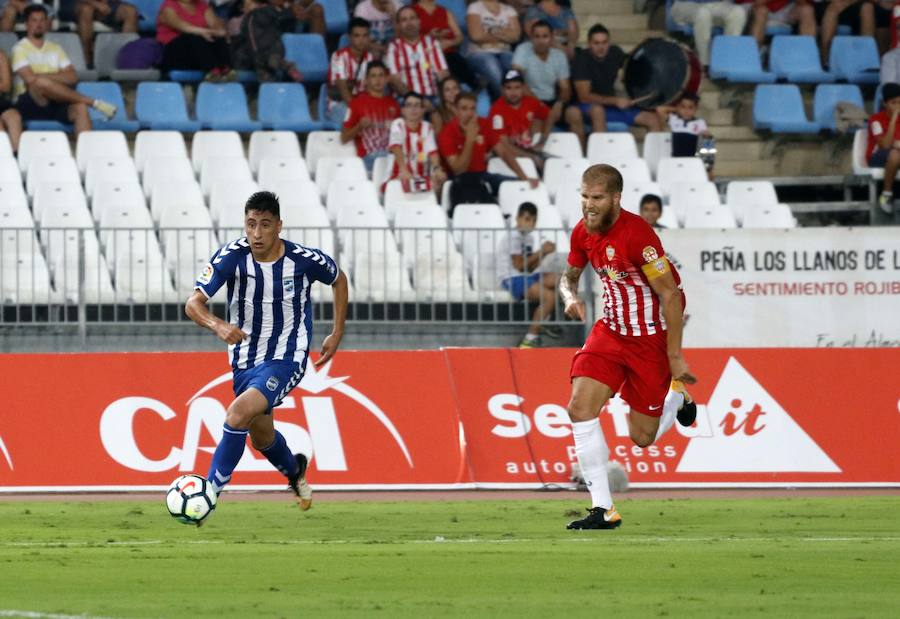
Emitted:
pixel 656 268
pixel 206 274
pixel 650 254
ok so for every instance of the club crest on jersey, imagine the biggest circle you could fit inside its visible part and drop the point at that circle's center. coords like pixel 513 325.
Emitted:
pixel 272 383
pixel 288 286
pixel 206 274
pixel 650 254
pixel 610 252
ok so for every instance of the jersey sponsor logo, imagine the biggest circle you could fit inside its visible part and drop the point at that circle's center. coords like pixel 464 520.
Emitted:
pixel 610 252
pixel 206 274
pixel 289 286
pixel 497 122
pixel 650 254
pixel 272 383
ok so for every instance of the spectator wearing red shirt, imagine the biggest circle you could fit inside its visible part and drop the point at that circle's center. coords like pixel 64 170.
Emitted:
pixel 883 148
pixel 517 117
pixel 193 39
pixel 368 121
pixel 416 61
pixel 440 24
pixel 347 70
pixel 416 160
pixel 778 12
pixel 464 144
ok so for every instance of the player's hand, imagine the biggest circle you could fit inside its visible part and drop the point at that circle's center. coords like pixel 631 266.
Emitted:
pixel 680 370
pixel 229 333
pixel 472 130
pixel 575 309
pixel 329 347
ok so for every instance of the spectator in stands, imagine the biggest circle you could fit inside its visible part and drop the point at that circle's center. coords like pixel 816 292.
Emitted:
pixel 45 78
pixel 703 15
pixel 464 144
pixel 546 72
pixel 890 66
pixel 779 12
pixel 347 70
pixel 686 128
pixel 10 12
pixel 309 16
pixel 415 61
pixel 110 13
pixel 561 21
pixel 864 17
pixel 493 30
pixel 883 148
pixel 445 111
pixel 10 119
pixel 380 15
pixel 651 210
pixel 517 117
pixel 440 24
pixel 258 46
pixel 369 117
pixel 520 253
pixel 412 142
pixel 594 74
pixel 193 39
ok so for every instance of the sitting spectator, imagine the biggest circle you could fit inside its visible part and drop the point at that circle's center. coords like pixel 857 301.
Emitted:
pixel 347 70
pixel 370 115
pixel 464 143
pixel 561 21
pixel 890 67
pixel 520 253
pixel 493 30
pixel 779 13
pixel 10 119
pixel 686 128
pixel 415 61
pixel 883 148
pixel 703 15
pixel 863 17
pixel 651 210
pixel 258 46
pixel 546 73
pixel 45 78
pixel 110 13
pixel 440 24
pixel 12 11
pixel 193 39
pixel 309 17
pixel 416 160
pixel 594 74
pixel 516 117
pixel 380 15
pixel 445 111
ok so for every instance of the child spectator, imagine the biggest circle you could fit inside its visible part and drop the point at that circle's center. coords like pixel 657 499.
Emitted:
pixel 412 142
pixel 883 149
pixel 651 210
pixel 369 117
pixel 686 128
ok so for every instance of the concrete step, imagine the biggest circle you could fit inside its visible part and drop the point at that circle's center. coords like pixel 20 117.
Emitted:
pixel 609 7
pixel 718 116
pixel 619 37
pixel 740 150
pixel 746 168
pixel 732 133
pixel 614 22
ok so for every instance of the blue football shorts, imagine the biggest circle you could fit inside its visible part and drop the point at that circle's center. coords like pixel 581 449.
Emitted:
pixel 274 379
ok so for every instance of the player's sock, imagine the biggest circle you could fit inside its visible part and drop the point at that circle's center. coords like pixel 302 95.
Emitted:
pixel 592 452
pixel 280 455
pixel 673 402
pixel 227 456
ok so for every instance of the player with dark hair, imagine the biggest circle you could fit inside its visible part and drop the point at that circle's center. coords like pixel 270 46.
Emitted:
pixel 268 332
pixel 635 347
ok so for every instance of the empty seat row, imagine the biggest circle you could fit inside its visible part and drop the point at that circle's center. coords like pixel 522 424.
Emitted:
pixel 779 108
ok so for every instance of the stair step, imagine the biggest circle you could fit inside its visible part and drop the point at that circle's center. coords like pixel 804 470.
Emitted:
pixel 745 150
pixel 619 37
pixel 718 116
pixel 760 167
pixel 615 23
pixel 610 7
pixel 731 133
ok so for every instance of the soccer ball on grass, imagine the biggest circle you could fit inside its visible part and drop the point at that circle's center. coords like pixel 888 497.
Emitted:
pixel 191 499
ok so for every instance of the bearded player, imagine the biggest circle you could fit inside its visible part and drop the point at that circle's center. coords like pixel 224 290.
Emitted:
pixel 635 348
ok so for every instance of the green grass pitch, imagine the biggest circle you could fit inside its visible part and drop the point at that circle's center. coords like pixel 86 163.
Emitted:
pixel 804 557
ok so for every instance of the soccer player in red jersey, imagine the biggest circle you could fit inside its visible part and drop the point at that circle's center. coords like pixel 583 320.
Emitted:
pixel 635 348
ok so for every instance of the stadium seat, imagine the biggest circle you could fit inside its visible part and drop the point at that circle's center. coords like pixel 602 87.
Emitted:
pixel 633 192
pixel 337 18
pixel 56 222
pixel 149 10
pixel 308 52
pixel 51 169
pixel 657 144
pixel 441 278
pixel 283 144
pixel 363 229
pixel 164 170
pixel 736 59
pixel 513 193
pixel 25 282
pixel 161 105
pixel 188 243
pixel 71 44
pixel 396 200
pixel 296 197
pixel 633 171
pixel 114 169
pixel 607 147
pixel 550 224
pixel 108 144
pixel 858 157
pixel 559 172
pixel 329 169
pixel 568 203
pixel 226 202
pixel 684 197
pixel 96 285
pixel 109 194
pixel 141 277
pixel 272 170
pixel 284 107
pixel 483 104
pixel 223 168
pixel 779 108
pixel 826 99
pixel 12 194
pixel 42 144
pixel 679 170
pixel 124 225
pixel 497 166
pixel 710 217
pixel 53 195
pixel 322 109
pixel 106 51
pixel 668 219
pixel 175 195
pixel 185 76
pixel 349 193
pixel 770 216
pixel 149 144
pixel 795 58
pixel 112 93
pixel 215 144
pixel 426 239
pixel 5 147
pixel 563 144
pixel 306 223
pixel 745 196
pixel 7 41
pixel 855 59
pixel 223 107
pixel 478 229
pixel 326 143
pixel 381 277
pixel 381 170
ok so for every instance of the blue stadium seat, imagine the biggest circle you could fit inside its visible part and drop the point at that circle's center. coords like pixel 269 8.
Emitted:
pixel 855 59
pixel 796 59
pixel 149 9
pixel 111 92
pixel 779 108
pixel 337 18
pixel 736 59
pixel 828 96
pixel 483 103
pixel 246 77
pixel 186 77
pixel 161 105
pixel 284 107
pixel 48 125
pixel 344 41
pixel 322 111
pixel 308 52
pixel 458 8
pixel 223 107
pixel 878 102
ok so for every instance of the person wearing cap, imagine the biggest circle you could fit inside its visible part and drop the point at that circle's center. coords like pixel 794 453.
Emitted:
pixel 517 116
pixel 883 148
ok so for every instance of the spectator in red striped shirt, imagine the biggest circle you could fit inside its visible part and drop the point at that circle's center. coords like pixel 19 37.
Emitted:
pixel 416 160
pixel 369 118
pixel 517 117
pixel 347 71
pixel 415 61
pixel 438 22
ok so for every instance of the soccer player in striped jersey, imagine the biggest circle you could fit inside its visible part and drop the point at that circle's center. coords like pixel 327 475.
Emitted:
pixel 635 347
pixel 268 333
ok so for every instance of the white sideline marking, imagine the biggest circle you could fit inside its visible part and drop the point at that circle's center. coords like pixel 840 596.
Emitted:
pixel 35 615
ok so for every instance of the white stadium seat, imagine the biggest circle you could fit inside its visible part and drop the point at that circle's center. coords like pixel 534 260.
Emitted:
pixel 188 244
pixel 350 192
pixel 710 217
pixel 52 144
pixel 6 151
pixel 116 169
pixel 858 157
pixel 690 195
pixel 275 169
pixel 176 195
pixel 657 144
pixel 13 195
pixel 679 170
pixel 206 144
pixel 559 172
pixel 51 169
pixel 125 226
pixel 25 281
pixel 150 144
pixel 166 170
pixel 381 277
pixel 141 277
pixel 514 193
pixel 497 166
pixel 550 223
pixel 364 229
pixel 227 199
pixel 106 144
pixel 326 144
pixel 395 199
pixel 228 168
pixel 280 144
pixel 381 170
pixel 633 171
pixel 632 194
pixel 342 169
pixel 745 196
pixel 113 193
pixel 442 278
pixel 563 144
pixel 53 196
pixel 609 147
pixel 770 216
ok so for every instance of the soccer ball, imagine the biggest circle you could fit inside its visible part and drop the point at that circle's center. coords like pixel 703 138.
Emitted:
pixel 191 499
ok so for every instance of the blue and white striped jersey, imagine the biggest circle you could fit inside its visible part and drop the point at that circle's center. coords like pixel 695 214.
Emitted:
pixel 269 301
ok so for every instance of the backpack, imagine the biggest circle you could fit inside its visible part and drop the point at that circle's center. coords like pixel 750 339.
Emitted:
pixel 143 53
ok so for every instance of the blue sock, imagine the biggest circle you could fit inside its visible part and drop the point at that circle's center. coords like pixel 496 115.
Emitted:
pixel 280 455
pixel 227 456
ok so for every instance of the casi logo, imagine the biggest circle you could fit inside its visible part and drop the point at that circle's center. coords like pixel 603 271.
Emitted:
pixel 6 453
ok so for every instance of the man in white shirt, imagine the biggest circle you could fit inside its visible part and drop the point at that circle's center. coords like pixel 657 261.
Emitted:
pixel 702 15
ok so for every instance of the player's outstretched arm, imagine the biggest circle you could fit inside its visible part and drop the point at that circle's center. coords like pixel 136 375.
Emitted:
pixel 673 311
pixel 197 310
pixel 568 291
pixel 331 343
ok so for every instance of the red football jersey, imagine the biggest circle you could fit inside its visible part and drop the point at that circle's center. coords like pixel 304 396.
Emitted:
pixel 382 111
pixel 452 139
pixel 879 122
pixel 515 122
pixel 626 258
